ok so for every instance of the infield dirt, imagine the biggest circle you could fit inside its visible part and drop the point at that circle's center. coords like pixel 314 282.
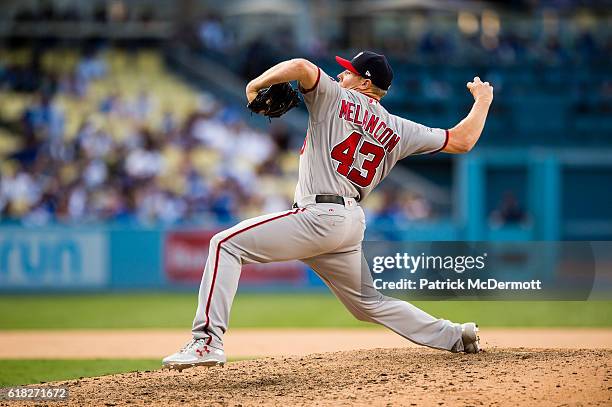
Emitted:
pixel 406 376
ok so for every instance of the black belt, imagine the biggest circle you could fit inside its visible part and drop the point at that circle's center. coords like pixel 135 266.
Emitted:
pixel 335 199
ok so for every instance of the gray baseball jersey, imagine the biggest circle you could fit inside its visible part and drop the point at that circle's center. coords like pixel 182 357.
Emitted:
pixel 351 145
pixel 353 142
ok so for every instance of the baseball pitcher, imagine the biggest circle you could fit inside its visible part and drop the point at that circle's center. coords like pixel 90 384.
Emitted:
pixel 351 144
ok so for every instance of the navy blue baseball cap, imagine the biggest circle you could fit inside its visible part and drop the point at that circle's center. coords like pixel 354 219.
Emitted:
pixel 370 65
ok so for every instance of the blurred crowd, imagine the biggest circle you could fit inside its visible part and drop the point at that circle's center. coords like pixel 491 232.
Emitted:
pixel 490 38
pixel 102 11
pixel 557 61
pixel 486 38
pixel 525 31
pixel 147 176
pixel 206 165
pixel 401 206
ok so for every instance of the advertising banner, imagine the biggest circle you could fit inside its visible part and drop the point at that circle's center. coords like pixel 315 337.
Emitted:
pixel 41 259
pixel 185 254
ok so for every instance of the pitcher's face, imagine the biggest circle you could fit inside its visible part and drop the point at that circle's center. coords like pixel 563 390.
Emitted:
pixel 349 80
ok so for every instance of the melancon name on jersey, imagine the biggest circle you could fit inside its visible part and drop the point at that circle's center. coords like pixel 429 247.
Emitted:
pixel 370 123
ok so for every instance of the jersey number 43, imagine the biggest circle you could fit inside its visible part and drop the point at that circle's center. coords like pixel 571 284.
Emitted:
pixel 345 153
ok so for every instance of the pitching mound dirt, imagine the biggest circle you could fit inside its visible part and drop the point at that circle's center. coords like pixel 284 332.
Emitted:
pixel 406 376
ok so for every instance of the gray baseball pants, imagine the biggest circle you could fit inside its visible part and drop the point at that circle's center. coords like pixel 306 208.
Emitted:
pixel 327 237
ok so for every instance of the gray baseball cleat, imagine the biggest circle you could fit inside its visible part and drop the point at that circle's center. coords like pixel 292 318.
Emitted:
pixel 195 353
pixel 469 337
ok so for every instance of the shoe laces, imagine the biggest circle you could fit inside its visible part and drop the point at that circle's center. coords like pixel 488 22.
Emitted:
pixel 192 344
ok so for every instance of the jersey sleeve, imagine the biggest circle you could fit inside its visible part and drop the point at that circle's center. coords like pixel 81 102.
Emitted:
pixel 322 97
pixel 419 139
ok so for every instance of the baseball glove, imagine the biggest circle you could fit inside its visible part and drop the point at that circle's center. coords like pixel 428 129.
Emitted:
pixel 275 101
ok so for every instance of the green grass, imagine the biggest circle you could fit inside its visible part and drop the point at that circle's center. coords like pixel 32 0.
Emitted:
pixel 176 310
pixel 17 372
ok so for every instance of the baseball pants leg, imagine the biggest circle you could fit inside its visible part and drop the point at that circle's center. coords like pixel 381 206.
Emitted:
pixel 348 276
pixel 289 235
